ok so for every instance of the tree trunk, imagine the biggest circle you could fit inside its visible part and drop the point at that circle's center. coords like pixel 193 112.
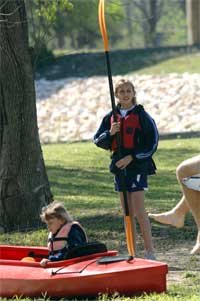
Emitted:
pixel 61 39
pixel 24 186
pixel 193 21
pixel 128 12
pixel 151 11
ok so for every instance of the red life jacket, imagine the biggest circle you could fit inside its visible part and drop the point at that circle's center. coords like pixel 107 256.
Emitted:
pixel 128 125
pixel 59 241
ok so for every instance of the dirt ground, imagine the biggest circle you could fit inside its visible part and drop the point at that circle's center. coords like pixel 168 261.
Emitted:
pixel 173 247
pixel 175 252
pixel 179 261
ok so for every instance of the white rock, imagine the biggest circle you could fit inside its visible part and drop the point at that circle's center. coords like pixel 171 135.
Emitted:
pixel 72 109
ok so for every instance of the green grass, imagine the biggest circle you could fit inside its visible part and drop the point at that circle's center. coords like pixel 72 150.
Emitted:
pixel 150 61
pixel 184 63
pixel 79 176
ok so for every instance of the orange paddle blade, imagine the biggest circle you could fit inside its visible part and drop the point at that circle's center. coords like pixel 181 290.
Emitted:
pixel 129 236
pixel 102 24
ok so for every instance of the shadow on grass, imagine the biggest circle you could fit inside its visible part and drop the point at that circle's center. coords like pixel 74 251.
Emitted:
pixel 89 194
pixel 176 154
pixel 122 62
pixel 82 183
pixel 98 184
pixel 107 225
pixel 110 230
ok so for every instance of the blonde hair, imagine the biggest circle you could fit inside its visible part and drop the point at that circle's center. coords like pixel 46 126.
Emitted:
pixel 55 209
pixel 122 82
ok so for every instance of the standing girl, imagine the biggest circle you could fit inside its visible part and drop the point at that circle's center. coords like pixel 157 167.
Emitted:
pixel 138 142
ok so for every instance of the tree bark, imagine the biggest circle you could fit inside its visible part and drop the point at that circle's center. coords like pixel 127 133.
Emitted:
pixel 128 12
pixel 193 21
pixel 24 186
pixel 61 39
pixel 151 11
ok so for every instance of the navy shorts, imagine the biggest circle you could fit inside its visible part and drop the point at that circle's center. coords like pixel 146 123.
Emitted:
pixel 135 183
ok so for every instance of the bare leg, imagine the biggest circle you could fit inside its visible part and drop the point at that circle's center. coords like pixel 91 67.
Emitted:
pixel 175 217
pixel 192 197
pixel 190 201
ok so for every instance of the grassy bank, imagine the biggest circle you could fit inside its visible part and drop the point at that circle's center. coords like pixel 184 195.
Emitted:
pixel 152 61
pixel 79 177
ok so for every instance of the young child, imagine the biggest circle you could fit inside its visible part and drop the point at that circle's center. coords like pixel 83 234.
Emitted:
pixel 139 140
pixel 190 200
pixel 64 233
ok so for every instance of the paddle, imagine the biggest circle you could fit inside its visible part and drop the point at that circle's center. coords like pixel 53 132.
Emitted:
pixel 130 233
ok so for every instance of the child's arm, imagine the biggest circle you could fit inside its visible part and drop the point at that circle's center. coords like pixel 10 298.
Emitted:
pixel 44 262
pixel 59 256
pixel 124 162
pixel 149 137
pixel 103 138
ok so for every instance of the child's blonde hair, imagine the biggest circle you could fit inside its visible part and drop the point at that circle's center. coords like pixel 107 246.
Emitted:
pixel 122 82
pixel 55 209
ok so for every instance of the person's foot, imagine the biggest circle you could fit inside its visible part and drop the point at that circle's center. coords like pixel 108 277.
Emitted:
pixel 196 249
pixel 149 255
pixel 168 218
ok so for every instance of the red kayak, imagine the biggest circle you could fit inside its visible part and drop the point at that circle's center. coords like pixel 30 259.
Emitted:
pixel 88 275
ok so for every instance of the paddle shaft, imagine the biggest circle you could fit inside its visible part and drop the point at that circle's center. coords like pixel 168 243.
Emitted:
pixel 112 97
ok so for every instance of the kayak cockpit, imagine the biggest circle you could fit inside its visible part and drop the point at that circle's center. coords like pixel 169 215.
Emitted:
pixel 31 256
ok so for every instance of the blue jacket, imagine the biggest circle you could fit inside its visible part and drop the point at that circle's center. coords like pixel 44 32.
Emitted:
pixel 145 141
